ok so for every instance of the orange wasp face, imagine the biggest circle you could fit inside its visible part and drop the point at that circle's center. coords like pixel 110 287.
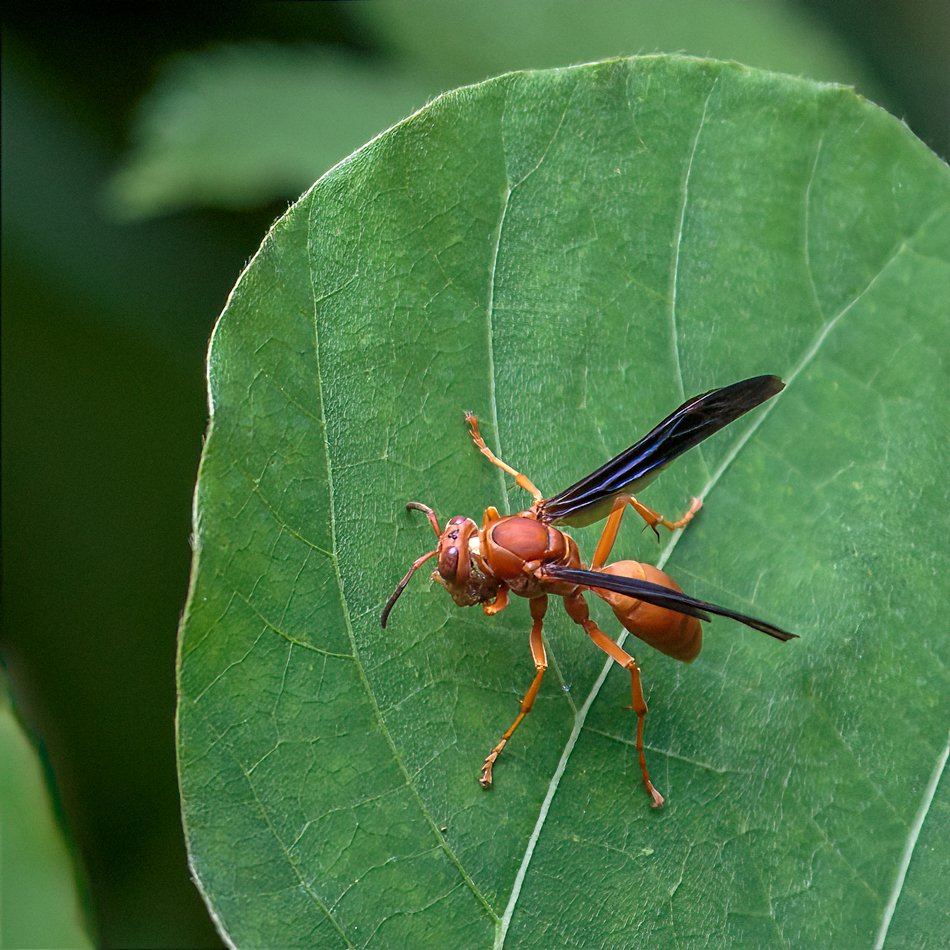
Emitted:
pixel 461 570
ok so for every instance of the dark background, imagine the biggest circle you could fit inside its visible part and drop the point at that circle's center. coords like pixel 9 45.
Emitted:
pixel 105 325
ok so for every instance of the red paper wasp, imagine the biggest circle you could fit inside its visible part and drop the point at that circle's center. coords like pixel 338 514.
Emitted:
pixel 526 555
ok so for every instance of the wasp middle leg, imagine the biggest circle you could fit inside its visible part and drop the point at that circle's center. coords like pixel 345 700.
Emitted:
pixel 538 607
pixel 577 608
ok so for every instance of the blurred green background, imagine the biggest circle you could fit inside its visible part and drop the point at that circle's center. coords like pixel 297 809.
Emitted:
pixel 145 153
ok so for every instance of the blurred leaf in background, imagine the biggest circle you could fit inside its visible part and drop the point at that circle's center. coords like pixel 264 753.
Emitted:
pixel 572 253
pixel 105 324
pixel 906 46
pixel 39 900
pixel 104 330
pixel 235 126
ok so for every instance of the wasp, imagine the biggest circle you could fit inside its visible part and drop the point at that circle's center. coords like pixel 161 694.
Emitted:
pixel 526 554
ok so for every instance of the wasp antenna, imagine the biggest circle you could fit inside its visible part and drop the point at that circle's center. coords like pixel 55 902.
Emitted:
pixel 429 513
pixel 401 586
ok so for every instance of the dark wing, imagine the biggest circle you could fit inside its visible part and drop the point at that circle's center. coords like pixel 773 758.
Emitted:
pixel 661 597
pixel 591 498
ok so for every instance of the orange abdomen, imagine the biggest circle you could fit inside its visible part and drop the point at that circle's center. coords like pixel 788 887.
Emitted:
pixel 668 631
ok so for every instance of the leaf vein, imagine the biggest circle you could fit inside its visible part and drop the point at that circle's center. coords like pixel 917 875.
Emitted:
pixel 289 637
pixel 344 604
pixel 806 229
pixel 304 886
pixel 678 244
pixel 490 310
pixel 913 835
pixel 283 525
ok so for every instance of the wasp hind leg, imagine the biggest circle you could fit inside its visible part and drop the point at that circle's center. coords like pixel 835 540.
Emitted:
pixel 577 608
pixel 652 518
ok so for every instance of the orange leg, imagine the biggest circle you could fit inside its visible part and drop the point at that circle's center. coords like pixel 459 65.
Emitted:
pixel 499 604
pixel 501 598
pixel 577 608
pixel 522 480
pixel 538 606
pixel 491 515
pixel 651 517
pixel 609 534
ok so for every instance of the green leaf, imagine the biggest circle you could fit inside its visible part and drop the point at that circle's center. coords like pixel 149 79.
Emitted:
pixel 237 125
pixel 39 901
pixel 568 253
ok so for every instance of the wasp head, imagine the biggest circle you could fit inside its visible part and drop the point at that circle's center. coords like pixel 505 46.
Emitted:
pixel 460 571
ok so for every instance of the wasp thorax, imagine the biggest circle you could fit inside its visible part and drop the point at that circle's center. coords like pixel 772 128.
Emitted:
pixel 524 537
pixel 516 540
